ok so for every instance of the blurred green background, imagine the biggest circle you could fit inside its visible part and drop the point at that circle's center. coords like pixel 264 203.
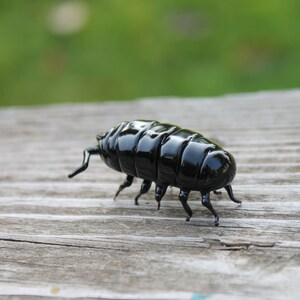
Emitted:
pixel 95 50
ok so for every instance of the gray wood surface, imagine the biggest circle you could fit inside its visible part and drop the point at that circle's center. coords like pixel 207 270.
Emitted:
pixel 68 238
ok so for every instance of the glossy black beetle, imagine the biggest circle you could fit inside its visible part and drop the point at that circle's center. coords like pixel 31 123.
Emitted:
pixel 167 155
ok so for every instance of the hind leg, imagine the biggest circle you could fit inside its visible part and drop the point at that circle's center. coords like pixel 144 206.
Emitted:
pixel 183 197
pixel 228 188
pixel 159 193
pixel 127 183
pixel 207 204
pixel 144 189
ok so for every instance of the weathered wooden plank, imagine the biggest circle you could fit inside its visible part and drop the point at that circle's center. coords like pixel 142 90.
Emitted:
pixel 69 239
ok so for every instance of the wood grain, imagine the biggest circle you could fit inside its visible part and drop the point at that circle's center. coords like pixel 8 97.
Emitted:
pixel 62 238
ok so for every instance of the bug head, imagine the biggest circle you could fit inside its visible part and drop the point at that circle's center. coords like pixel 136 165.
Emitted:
pixel 99 136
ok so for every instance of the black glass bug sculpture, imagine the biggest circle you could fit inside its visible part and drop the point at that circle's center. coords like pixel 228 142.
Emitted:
pixel 167 155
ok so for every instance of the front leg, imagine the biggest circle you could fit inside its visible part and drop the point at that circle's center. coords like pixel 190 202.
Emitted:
pixel 86 159
pixel 144 189
pixel 127 183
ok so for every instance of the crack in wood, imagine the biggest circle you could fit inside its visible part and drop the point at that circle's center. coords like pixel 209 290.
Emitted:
pixel 60 244
pixel 247 244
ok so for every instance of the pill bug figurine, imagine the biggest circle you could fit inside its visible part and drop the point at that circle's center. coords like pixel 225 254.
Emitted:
pixel 167 155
